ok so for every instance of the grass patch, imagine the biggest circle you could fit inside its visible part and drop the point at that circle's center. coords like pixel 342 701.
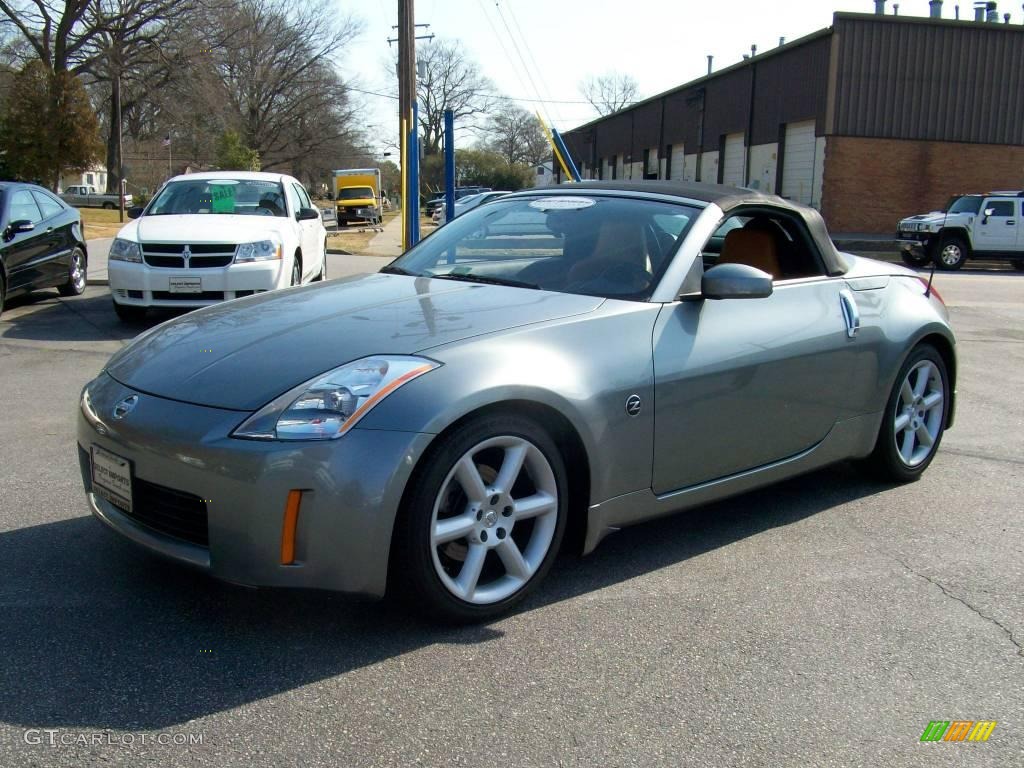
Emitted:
pixel 101 222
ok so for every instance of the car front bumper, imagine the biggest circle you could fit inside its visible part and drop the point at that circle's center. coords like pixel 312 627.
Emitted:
pixel 914 242
pixel 183 459
pixel 141 285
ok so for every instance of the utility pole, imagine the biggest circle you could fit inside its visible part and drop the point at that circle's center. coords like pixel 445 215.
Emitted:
pixel 407 122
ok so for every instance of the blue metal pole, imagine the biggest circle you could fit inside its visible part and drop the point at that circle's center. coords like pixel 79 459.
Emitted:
pixel 414 175
pixel 564 152
pixel 449 165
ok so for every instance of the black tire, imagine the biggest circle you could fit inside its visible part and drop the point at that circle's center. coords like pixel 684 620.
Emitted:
pixel 77 275
pixel 413 576
pixel 951 252
pixel 886 460
pixel 1019 265
pixel 3 291
pixel 296 271
pixel 913 260
pixel 323 266
pixel 129 314
pixel 109 206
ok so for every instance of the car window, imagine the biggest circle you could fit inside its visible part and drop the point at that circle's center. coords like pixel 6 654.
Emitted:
pixel 1000 207
pixel 24 208
pixel 219 196
pixel 303 197
pixel 773 241
pixel 593 245
pixel 964 205
pixel 48 206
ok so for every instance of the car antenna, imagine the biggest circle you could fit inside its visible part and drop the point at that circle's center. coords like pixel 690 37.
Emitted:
pixel 931 276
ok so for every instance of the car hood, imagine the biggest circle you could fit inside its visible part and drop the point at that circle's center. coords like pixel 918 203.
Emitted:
pixel 242 354
pixel 204 228
pixel 929 218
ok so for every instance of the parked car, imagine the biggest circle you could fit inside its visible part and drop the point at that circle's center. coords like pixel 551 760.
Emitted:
pixel 41 242
pixel 85 196
pixel 460 192
pixel 976 226
pixel 208 237
pixel 467 203
pixel 436 429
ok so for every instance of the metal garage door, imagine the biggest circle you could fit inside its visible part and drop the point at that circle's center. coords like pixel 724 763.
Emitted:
pixel 678 162
pixel 732 164
pixel 798 162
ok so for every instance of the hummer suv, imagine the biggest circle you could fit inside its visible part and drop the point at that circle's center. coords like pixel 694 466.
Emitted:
pixel 978 226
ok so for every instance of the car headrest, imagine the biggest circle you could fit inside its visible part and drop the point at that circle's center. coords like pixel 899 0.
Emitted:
pixel 752 247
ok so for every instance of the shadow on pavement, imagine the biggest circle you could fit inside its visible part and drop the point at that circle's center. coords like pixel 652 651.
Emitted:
pixel 45 316
pixel 99 634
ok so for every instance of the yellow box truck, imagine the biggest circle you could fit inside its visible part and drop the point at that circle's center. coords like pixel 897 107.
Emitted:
pixel 357 196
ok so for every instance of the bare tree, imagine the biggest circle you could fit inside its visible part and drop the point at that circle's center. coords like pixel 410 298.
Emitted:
pixel 610 92
pixel 516 135
pixel 274 77
pixel 448 80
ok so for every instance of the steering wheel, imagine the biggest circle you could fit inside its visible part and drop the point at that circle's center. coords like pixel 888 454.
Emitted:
pixel 624 276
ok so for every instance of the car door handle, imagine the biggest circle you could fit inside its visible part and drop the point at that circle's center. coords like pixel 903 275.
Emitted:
pixel 851 315
pixel 1010 223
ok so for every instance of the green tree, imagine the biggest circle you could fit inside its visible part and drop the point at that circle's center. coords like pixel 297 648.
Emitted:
pixel 48 126
pixel 233 155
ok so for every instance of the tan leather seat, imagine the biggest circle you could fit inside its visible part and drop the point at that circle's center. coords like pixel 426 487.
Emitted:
pixel 752 247
pixel 618 241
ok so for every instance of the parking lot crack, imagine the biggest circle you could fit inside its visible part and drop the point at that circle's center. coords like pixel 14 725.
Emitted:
pixel 945 591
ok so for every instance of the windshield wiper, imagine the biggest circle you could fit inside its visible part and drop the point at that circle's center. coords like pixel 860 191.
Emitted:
pixel 390 270
pixel 468 277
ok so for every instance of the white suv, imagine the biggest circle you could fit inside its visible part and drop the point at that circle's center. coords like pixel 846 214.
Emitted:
pixel 982 226
pixel 208 237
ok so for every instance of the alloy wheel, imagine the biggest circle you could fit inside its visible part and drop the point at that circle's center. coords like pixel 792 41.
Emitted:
pixel 77 272
pixel 918 414
pixel 951 254
pixel 494 520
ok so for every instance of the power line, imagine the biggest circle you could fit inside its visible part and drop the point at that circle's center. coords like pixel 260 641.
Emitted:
pixel 489 95
pixel 515 47
pixel 529 53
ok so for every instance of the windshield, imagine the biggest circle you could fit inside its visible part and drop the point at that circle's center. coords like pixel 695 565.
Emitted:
pixel 593 245
pixel 355 193
pixel 226 196
pixel 964 205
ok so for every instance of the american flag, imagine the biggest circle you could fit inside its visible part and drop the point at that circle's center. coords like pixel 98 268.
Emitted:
pixel 167 141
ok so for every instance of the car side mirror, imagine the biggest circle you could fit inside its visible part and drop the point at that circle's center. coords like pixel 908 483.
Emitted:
pixel 135 211
pixel 735 281
pixel 307 214
pixel 988 212
pixel 17 227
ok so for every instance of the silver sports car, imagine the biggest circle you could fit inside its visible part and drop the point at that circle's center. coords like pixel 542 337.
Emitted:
pixel 546 369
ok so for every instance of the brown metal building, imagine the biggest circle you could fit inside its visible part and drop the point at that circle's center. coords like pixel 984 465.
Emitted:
pixel 870 120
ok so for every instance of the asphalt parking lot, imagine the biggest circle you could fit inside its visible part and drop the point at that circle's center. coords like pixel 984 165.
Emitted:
pixel 824 621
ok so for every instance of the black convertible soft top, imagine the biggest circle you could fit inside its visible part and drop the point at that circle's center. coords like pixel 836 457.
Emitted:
pixel 726 198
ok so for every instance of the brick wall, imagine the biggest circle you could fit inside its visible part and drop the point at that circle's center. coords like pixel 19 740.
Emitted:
pixel 870 184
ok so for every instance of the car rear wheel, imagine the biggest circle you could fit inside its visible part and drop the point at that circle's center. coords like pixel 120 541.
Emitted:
pixel 951 252
pixel 75 285
pixel 915 417
pixel 482 521
pixel 128 313
pixel 109 206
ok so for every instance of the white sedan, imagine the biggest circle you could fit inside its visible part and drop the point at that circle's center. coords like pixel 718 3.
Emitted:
pixel 209 237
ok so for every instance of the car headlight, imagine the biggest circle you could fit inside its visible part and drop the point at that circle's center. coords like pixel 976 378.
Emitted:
pixel 328 406
pixel 125 250
pixel 262 250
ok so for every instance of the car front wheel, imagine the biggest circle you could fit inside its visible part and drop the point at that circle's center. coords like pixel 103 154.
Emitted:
pixel 915 258
pixel 915 417
pixel 482 521
pixel 128 313
pixel 951 252
pixel 296 271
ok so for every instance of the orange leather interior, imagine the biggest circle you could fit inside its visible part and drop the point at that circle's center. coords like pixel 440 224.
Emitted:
pixel 752 247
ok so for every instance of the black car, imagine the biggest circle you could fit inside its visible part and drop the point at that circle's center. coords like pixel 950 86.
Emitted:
pixel 41 242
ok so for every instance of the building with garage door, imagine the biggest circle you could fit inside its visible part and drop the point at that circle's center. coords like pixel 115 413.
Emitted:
pixel 875 118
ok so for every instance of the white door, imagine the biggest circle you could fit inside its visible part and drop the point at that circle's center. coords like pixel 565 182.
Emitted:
pixel 733 162
pixel 678 162
pixel 997 232
pixel 798 162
